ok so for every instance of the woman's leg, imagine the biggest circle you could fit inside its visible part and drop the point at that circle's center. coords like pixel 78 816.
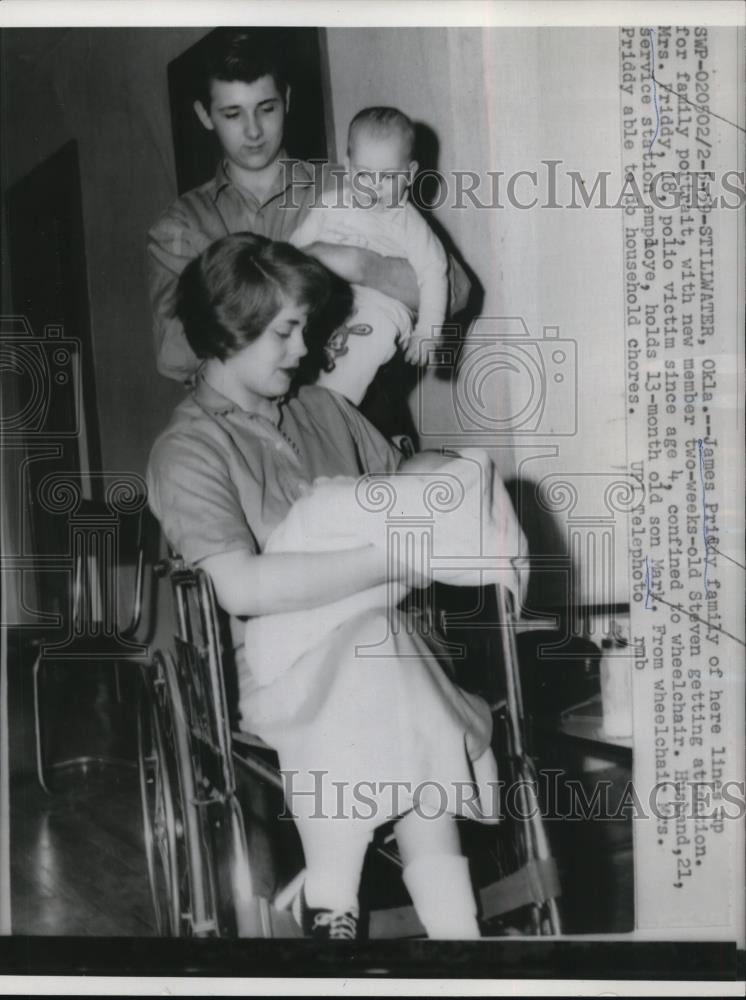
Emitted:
pixel 436 875
pixel 335 852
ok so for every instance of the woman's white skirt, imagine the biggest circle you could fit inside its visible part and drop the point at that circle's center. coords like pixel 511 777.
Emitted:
pixel 369 725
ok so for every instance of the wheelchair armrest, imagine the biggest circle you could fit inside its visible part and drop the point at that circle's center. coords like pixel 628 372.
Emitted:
pixel 533 624
pixel 249 740
pixel 170 564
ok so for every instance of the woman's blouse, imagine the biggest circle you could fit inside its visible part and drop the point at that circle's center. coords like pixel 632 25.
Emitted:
pixel 221 479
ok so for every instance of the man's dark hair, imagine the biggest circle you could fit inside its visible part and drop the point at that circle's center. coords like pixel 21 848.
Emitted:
pixel 228 296
pixel 234 54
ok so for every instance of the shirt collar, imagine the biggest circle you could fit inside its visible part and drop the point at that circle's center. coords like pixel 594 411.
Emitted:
pixel 293 172
pixel 221 179
pixel 218 405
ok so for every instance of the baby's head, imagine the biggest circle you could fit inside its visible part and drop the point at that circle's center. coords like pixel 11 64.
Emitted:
pixel 380 163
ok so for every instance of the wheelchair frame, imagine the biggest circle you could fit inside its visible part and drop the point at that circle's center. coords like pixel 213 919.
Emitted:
pixel 94 636
pixel 199 865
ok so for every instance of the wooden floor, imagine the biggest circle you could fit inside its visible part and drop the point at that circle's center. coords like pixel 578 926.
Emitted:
pixel 77 859
pixel 78 864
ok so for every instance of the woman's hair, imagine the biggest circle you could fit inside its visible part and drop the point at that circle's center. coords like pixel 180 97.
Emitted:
pixel 229 295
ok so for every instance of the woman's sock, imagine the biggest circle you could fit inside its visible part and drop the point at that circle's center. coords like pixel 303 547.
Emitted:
pixel 335 853
pixel 441 891
pixel 326 891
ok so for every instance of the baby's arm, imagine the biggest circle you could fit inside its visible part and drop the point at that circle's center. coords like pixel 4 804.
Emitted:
pixel 310 230
pixel 428 258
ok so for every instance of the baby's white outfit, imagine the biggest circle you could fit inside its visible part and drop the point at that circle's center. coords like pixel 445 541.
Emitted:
pixel 370 334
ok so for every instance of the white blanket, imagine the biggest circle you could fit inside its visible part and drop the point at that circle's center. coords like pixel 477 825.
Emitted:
pixel 447 518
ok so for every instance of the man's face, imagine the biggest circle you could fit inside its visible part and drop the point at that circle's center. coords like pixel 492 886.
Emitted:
pixel 248 119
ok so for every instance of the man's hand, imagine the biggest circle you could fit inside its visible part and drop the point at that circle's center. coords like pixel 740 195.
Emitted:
pixel 345 262
pixel 393 276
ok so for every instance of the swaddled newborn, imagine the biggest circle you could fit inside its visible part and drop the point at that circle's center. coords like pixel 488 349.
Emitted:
pixel 448 518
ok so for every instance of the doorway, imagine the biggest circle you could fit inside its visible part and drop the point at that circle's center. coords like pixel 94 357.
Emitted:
pixel 48 359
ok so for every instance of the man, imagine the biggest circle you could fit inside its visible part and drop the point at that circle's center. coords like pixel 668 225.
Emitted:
pixel 244 98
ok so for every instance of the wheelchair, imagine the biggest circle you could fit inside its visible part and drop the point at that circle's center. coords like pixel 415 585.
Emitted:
pixel 208 856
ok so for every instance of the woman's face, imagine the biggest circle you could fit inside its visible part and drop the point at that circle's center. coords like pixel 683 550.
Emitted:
pixel 266 367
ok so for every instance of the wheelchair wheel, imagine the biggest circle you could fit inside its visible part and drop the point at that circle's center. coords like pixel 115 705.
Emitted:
pixel 171 822
pixel 161 828
pixel 238 912
pixel 546 919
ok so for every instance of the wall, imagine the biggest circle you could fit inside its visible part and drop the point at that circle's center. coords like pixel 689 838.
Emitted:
pixel 504 100
pixel 107 89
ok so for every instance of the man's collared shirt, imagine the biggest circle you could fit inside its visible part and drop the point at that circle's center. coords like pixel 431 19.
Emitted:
pixel 218 208
pixel 205 214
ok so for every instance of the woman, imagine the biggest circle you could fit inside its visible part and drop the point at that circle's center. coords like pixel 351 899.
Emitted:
pixel 234 458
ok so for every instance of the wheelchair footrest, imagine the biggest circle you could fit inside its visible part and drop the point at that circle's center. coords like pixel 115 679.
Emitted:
pixel 249 760
pixel 536 882
pixel 249 740
pixel 396 922
pixel 263 920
